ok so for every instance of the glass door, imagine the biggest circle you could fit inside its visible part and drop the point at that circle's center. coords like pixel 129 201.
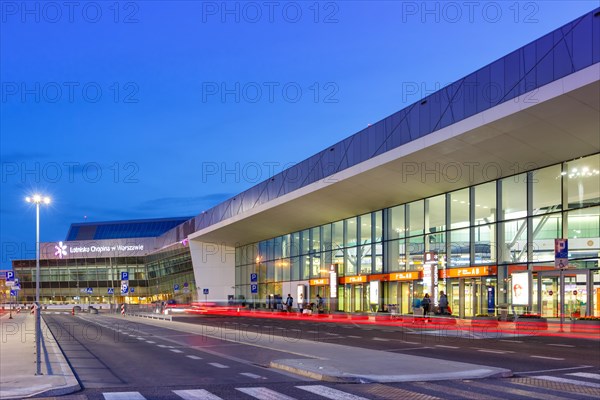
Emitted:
pixel 469 297
pixel 454 297
pixel 358 297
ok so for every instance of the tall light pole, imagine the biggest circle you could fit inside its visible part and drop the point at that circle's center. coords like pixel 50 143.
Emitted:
pixel 37 200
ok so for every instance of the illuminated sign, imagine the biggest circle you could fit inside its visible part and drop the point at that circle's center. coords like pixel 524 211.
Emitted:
pixel 468 272
pixel 61 250
pixel 374 292
pixel 96 248
pixel 333 281
pixel 354 279
pixel 319 282
pixel 405 276
pixel 520 288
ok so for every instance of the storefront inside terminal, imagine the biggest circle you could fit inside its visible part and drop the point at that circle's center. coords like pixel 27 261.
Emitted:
pixel 467 243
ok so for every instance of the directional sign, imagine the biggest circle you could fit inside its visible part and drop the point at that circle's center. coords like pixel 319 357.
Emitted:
pixel 205 291
pixel 111 290
pixel 125 276
pixel 254 288
pixel 124 287
pixel 253 277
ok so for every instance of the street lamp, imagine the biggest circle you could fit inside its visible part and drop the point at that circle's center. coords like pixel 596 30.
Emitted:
pixel 37 200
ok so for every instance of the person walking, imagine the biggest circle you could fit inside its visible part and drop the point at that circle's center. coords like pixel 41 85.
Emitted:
pixel 425 303
pixel 289 302
pixel 319 304
pixel 443 303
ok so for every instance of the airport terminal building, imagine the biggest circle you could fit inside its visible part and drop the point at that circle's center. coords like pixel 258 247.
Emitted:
pixel 464 192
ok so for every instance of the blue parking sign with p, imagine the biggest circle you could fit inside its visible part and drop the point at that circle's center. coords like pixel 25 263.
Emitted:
pixel 253 277
pixel 10 275
pixel 254 288
pixel 124 276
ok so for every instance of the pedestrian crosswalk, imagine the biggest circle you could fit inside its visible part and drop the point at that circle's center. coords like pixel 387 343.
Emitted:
pixel 571 385
pixel 257 392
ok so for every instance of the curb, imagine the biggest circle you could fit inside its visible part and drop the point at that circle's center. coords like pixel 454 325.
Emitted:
pixel 342 377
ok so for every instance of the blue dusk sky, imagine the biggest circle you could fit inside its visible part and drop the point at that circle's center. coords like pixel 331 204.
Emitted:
pixel 149 109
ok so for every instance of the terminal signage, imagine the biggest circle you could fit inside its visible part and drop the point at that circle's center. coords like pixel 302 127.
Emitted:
pixel 354 279
pixel 319 282
pixel 405 276
pixel 467 272
pixel 561 253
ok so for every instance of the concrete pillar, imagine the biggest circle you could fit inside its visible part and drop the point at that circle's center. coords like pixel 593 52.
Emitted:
pixel 214 269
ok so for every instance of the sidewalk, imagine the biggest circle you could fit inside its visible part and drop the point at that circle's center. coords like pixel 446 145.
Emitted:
pixel 18 361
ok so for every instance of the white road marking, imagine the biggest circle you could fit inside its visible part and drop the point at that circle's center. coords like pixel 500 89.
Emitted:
pixel 548 358
pixel 123 396
pixel 496 351
pixel 564 380
pixel 585 375
pixel 447 347
pixel 381 339
pixel 218 365
pixel 560 345
pixel 251 375
pixel 555 370
pixel 330 393
pixel 354 337
pixel 262 393
pixel 194 357
pixel 511 341
pixel 196 394
pixel 150 341
pixel 176 351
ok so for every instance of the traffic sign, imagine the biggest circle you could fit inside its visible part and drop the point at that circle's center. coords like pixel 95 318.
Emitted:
pixel 131 290
pixel 254 288
pixel 16 286
pixel 89 290
pixel 10 275
pixel 176 286
pixel 561 253
pixel 205 291
pixel 125 276
pixel 111 290
pixel 124 287
pixel 253 277
pixel 13 293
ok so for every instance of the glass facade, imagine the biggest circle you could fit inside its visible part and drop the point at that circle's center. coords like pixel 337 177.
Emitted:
pixel 477 235
pixel 160 276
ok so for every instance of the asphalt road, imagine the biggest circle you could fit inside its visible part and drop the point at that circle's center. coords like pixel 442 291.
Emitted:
pixel 114 359
pixel 523 354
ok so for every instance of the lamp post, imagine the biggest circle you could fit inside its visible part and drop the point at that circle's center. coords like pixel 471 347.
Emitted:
pixel 37 200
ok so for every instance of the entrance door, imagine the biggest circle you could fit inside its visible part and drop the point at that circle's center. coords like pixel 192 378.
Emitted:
pixel 357 294
pixel 546 293
pixel 353 298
